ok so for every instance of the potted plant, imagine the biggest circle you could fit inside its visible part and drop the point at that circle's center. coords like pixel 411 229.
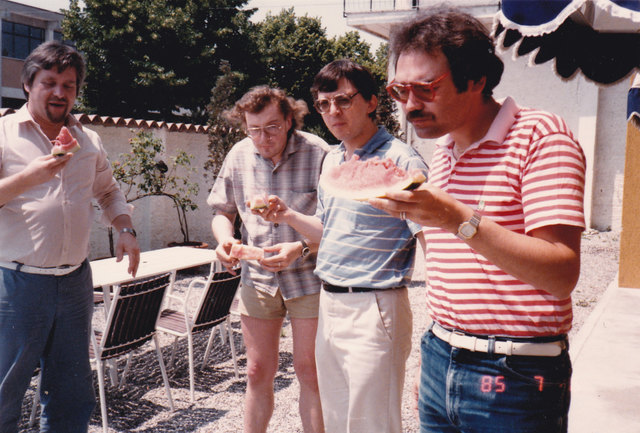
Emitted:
pixel 142 173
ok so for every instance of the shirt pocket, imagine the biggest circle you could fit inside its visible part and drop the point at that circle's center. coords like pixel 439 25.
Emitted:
pixel 303 201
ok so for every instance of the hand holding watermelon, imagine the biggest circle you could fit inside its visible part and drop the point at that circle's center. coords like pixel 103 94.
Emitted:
pixel 64 143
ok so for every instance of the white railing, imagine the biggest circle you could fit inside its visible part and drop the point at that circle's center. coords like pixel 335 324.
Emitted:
pixel 350 6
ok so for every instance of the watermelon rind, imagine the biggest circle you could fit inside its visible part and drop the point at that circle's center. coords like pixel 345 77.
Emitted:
pixel 364 194
pixel 59 151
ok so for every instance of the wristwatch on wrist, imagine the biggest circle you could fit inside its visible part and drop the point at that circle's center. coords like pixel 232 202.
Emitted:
pixel 305 249
pixel 468 229
pixel 130 231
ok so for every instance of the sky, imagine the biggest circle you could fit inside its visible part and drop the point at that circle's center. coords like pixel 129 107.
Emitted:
pixel 329 12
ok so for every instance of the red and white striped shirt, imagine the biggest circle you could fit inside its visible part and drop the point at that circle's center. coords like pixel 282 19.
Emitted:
pixel 529 172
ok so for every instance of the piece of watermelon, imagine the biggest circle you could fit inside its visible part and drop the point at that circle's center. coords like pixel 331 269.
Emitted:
pixel 64 143
pixel 246 252
pixel 361 180
pixel 258 202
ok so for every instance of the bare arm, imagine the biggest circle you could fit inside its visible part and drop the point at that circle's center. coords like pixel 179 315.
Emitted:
pixel 548 258
pixel 39 171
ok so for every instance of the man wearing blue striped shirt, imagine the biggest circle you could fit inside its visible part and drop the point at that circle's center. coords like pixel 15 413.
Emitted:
pixel 365 260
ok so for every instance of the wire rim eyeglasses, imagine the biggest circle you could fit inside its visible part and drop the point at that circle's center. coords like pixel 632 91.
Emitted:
pixel 342 101
pixel 421 90
pixel 268 130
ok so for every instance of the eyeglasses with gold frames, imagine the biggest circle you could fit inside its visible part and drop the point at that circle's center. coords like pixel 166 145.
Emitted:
pixel 269 131
pixel 423 91
pixel 341 100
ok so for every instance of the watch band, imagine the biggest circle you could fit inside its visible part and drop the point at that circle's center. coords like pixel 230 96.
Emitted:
pixel 129 230
pixel 305 249
pixel 468 229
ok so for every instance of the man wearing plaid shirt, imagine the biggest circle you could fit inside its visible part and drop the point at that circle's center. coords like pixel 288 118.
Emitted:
pixel 275 159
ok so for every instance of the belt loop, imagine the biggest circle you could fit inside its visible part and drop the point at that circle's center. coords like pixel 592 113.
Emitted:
pixel 509 350
pixel 491 348
pixel 20 265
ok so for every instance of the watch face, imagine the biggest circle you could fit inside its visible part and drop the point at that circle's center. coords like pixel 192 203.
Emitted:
pixel 305 251
pixel 467 230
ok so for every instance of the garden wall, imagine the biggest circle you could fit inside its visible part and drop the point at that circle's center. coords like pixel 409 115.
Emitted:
pixel 155 218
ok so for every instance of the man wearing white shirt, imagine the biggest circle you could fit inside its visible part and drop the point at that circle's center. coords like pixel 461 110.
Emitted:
pixel 46 299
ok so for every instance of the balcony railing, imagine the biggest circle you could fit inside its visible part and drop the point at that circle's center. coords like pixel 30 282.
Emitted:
pixel 354 6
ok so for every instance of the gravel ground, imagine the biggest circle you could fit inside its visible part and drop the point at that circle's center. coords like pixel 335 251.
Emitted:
pixel 141 405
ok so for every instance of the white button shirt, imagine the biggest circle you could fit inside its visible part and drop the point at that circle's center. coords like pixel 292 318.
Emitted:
pixel 49 225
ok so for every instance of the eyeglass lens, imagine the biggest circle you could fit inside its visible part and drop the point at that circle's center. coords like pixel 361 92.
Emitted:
pixel 269 130
pixel 423 91
pixel 342 101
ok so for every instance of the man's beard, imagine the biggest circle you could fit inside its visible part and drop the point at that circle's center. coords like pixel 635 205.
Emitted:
pixel 55 118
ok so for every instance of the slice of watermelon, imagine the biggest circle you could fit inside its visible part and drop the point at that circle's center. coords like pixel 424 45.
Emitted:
pixel 64 143
pixel 258 202
pixel 246 252
pixel 361 180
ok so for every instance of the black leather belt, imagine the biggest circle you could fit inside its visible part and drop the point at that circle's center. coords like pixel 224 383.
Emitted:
pixel 339 289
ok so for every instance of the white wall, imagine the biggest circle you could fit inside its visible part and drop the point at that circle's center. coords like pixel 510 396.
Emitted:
pixel 155 218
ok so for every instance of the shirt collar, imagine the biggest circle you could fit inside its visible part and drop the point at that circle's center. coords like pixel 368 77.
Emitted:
pixel 499 127
pixel 374 143
pixel 23 115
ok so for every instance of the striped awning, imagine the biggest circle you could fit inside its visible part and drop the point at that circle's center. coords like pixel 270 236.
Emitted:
pixel 600 38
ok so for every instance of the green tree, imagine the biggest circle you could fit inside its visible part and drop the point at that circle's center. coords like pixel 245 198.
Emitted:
pixel 157 58
pixel 292 50
pixel 229 87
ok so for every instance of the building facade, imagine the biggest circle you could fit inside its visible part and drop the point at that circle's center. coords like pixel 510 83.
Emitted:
pixel 23 28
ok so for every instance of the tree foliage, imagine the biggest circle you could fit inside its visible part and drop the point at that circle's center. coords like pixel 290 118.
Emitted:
pixel 153 58
pixel 222 135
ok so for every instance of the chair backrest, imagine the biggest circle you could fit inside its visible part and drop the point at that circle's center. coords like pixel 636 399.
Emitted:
pixel 133 314
pixel 216 302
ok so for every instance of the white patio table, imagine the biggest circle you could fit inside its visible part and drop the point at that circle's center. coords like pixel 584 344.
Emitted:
pixel 108 272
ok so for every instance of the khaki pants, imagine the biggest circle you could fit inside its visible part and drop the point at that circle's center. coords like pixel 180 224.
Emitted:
pixel 362 345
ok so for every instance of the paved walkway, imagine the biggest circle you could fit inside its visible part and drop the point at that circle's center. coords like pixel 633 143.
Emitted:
pixel 605 352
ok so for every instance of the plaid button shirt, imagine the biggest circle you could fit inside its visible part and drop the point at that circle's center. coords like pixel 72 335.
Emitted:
pixel 245 174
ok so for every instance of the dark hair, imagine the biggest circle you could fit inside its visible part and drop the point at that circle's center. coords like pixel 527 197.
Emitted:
pixel 463 40
pixel 49 55
pixel 328 79
pixel 257 98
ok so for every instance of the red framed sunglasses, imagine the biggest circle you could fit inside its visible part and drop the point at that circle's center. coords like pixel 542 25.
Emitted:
pixel 424 91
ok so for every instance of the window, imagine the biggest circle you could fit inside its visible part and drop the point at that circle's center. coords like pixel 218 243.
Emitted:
pixel 18 40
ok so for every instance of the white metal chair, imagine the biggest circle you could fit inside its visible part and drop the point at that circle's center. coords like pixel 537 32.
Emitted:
pixel 212 310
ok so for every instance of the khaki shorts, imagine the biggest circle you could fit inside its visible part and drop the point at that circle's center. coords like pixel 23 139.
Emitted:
pixel 261 305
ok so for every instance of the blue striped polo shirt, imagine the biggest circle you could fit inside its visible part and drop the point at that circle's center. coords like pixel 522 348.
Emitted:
pixel 362 246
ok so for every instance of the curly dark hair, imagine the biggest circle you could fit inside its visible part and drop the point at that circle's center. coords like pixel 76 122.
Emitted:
pixel 257 98
pixel 463 40
pixel 49 55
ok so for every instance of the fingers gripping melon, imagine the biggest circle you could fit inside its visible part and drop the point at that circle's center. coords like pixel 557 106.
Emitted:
pixel 258 202
pixel 361 180
pixel 64 143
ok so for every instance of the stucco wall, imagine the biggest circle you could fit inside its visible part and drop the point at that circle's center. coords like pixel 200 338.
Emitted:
pixel 155 218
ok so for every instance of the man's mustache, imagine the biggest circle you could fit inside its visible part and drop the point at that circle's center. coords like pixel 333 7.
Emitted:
pixel 416 114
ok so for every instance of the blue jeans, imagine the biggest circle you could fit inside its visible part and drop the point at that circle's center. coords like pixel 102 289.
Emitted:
pixel 46 320
pixel 471 392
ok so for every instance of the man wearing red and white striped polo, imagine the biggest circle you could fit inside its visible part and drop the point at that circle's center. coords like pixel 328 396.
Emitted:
pixel 502 216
